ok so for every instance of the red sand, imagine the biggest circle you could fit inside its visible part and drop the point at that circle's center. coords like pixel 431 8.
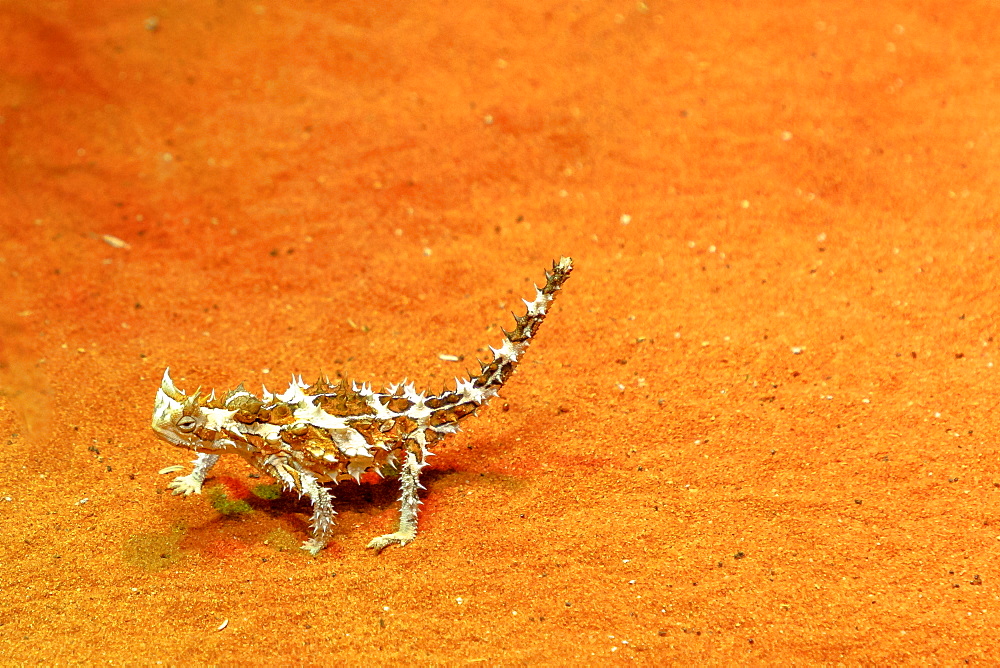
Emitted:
pixel 759 425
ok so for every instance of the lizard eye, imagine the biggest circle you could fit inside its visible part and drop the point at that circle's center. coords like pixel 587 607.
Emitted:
pixel 187 424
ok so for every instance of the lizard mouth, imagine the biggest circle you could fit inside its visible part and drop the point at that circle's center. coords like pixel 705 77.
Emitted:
pixel 170 437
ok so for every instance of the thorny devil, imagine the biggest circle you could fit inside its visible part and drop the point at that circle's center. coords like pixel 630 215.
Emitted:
pixel 314 434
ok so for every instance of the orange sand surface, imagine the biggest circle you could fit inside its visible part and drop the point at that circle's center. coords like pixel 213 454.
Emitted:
pixel 759 425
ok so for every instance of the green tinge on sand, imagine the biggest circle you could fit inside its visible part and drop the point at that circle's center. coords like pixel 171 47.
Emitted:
pixel 227 506
pixel 267 492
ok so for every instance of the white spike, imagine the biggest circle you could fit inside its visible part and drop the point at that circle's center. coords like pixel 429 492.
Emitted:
pixel 510 350
pixel 169 388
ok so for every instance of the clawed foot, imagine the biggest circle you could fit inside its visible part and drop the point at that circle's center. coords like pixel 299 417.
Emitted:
pixel 399 538
pixel 185 484
pixel 313 546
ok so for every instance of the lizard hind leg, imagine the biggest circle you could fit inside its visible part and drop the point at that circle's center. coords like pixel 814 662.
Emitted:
pixel 409 478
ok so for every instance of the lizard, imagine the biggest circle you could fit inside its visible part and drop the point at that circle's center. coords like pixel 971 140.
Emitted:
pixel 312 434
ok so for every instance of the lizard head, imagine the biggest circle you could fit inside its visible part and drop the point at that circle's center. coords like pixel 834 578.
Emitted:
pixel 192 422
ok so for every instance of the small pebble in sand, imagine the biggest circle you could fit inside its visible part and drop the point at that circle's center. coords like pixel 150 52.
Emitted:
pixel 115 241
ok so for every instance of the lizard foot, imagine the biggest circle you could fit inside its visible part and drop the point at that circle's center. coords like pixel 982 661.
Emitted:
pixel 185 484
pixel 399 538
pixel 313 546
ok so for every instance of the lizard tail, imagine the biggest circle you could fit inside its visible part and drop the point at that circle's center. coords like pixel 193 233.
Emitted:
pixel 494 374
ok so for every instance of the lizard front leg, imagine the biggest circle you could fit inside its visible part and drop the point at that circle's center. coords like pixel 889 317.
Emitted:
pixel 191 483
pixel 409 478
pixel 293 476
pixel 323 512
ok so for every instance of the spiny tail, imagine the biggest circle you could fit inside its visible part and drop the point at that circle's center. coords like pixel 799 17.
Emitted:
pixel 494 374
